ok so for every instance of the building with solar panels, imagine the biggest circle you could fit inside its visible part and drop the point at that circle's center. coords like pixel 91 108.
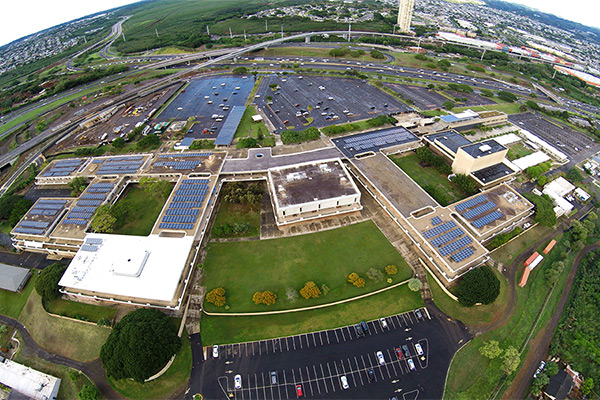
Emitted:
pixel 311 191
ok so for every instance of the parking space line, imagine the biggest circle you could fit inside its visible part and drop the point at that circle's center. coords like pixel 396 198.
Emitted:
pixel 375 327
pixel 256 384
pixel 285 385
pixel 398 321
pixel 331 377
pixel 324 380
pixel 359 372
pixel 342 332
pixel 287 345
pixel 327 336
pixel 278 392
pixel 349 333
pixel 316 378
pixel 294 342
pixel 314 340
pixel 336 336
pixel 300 340
pixel 391 321
pixel 394 366
pixel 320 338
pixel 280 347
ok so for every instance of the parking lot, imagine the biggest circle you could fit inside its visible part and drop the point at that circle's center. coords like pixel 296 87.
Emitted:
pixel 473 99
pixel 300 102
pixel 314 363
pixel 424 99
pixel 576 145
pixel 204 98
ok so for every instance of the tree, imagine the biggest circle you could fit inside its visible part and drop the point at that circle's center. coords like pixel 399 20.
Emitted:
pixel 391 269
pixel 267 298
pixel 574 175
pixel 506 96
pixel 415 284
pixel 156 187
pixel 47 283
pixel 377 54
pixel 448 105
pixel 490 349
pixel 539 383
pixel 375 274
pixel 510 360
pixel 140 345
pixel 356 280
pixel 73 375
pixel 103 220
pixel 309 290
pixel 587 385
pixel 148 142
pixel 479 285
pixel 77 186
pixel 216 297
pixel 118 143
pixel 89 392
pixel 542 180
pixel 544 209
pixel 240 70
pixel 551 368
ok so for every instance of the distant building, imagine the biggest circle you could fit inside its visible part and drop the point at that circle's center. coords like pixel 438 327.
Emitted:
pixel 405 10
pixel 557 190
pixel 12 278
pixel 28 382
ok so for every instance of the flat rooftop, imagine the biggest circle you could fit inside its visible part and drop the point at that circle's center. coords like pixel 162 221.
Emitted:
pixel 310 182
pixel 449 139
pixel 484 148
pixel 60 168
pixel 41 219
pixel 187 162
pixel 144 268
pixel 373 141
pixel 116 165
pixel 28 381
pixel 492 173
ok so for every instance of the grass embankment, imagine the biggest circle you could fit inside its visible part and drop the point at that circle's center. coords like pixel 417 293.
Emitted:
pixel 144 210
pixel 475 377
pixel 509 108
pixel 219 330
pixel 327 258
pixel 71 339
pixel 171 382
pixel 477 315
pixel 507 253
pixel 231 213
pixel 429 176
pixel 11 304
pixel 249 128
pixel 85 312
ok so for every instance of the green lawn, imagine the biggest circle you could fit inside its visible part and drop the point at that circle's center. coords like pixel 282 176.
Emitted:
pixel 510 251
pixel 475 315
pixel 518 150
pixel 249 128
pixel 145 210
pixel 87 312
pixel 231 213
pixel 509 108
pixel 71 339
pixel 219 330
pixel 428 176
pixel 473 376
pixel 68 388
pixel 11 303
pixel 327 258
pixel 161 388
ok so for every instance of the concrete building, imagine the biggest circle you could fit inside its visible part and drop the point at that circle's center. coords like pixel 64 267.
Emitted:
pixel 311 191
pixel 469 119
pixel 476 156
pixel 405 11
pixel 557 190
pixel 27 382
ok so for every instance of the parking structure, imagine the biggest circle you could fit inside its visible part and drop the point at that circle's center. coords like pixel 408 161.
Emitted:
pixel 298 102
pixel 316 361
pixel 576 145
pixel 209 102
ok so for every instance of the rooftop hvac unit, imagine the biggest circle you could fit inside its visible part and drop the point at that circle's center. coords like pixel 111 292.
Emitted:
pixel 484 148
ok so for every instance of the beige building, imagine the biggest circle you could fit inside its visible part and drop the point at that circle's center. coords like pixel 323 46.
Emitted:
pixel 405 10
pixel 477 156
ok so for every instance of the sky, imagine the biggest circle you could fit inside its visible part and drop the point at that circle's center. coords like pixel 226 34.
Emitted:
pixel 24 17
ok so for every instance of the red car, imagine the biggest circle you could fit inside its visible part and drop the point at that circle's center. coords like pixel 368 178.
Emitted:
pixel 399 353
pixel 299 390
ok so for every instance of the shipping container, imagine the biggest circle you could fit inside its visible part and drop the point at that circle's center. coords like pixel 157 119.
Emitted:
pixel 524 277
pixel 531 259
pixel 536 262
pixel 549 247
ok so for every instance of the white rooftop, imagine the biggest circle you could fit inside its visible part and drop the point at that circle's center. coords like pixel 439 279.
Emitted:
pixel 27 381
pixel 530 160
pixel 507 139
pixel 142 267
pixel 560 186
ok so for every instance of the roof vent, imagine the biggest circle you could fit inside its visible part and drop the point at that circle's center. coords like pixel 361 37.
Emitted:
pixel 484 148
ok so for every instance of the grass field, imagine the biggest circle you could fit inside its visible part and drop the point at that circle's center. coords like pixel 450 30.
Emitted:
pixel 249 128
pixel 509 108
pixel 68 388
pixel 231 213
pixel 145 210
pixel 518 150
pixel 77 310
pixel 220 330
pixel 510 251
pixel 71 339
pixel 11 304
pixel 428 176
pixel 473 376
pixel 168 384
pixel 327 258
pixel 476 315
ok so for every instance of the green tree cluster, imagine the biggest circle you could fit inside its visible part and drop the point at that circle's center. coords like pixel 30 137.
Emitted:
pixel 13 208
pixel 77 185
pixel 267 298
pixel 47 284
pixel 426 156
pixel 480 285
pixel 544 209
pixel 535 171
pixel 148 142
pixel 243 193
pixel 465 183
pixel 156 188
pixel 356 280
pixel 140 345
pixel 305 135
pixel 415 284
pixel 506 96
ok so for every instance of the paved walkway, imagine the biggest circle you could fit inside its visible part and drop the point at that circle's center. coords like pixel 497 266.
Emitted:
pixel 92 369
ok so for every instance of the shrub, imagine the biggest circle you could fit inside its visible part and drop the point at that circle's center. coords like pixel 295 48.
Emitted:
pixel 247 142
pixel 479 285
pixel 267 298
pixel 544 210
pixel 415 284
pixel 291 294
pixel 240 70
pixel 305 135
pixel 216 296
pixel 448 105
pixel 89 392
pixel 148 142
pixel 505 237
pixel 310 290
pixel 465 183
pixel 391 269
pixel 506 96
pixel 375 275
pixel 377 54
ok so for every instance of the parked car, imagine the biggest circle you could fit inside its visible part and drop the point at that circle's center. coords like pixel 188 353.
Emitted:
pixel 273 377
pixel 299 390
pixel 411 364
pixel 215 351
pixel 370 375
pixel 406 351
pixel 419 349
pixel 383 323
pixel 237 381
pixel 359 331
pixel 419 314
pixel 399 353
pixel 380 358
pixel 364 326
pixel 344 382
pixel 540 369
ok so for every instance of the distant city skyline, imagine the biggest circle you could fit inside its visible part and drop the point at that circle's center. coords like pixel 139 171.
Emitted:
pixel 39 15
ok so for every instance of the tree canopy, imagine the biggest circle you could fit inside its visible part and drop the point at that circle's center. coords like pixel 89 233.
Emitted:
pixel 47 283
pixel 140 345
pixel 479 285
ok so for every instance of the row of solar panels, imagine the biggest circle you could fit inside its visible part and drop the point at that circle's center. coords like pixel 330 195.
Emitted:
pixel 178 164
pixel 438 230
pixel 182 211
pixel 487 219
pixel 192 186
pixel 115 159
pixel 455 246
pixel 184 155
pixel 195 181
pixel 436 220
pixel 179 199
pixel 473 212
pixel 462 254
pixel 447 237
pixel 176 226
pixel 470 203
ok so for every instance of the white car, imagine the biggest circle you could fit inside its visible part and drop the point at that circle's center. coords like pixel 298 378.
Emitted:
pixel 237 381
pixel 215 351
pixel 383 323
pixel 419 349
pixel 380 358
pixel 344 382
pixel 411 364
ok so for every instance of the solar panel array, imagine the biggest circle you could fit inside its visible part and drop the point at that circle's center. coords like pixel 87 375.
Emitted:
pixel 454 246
pixel 377 139
pixel 487 219
pixel 184 155
pixel 439 229
pixel 449 240
pixel 436 220
pixel 447 237
pixel 185 207
pixel 88 202
pixel 472 213
pixel 43 207
pixel 230 125
pixel 470 203
pixel 178 164
pixel 120 165
pixel 63 167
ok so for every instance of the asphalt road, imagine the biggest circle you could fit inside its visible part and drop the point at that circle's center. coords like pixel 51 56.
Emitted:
pixel 316 361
